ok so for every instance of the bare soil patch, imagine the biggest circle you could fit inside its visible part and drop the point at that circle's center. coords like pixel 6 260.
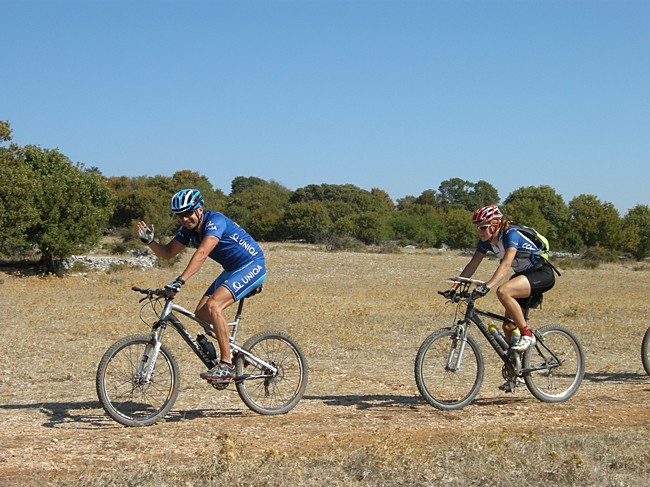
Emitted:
pixel 360 319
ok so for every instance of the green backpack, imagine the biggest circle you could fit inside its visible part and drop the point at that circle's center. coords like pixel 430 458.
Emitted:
pixel 540 241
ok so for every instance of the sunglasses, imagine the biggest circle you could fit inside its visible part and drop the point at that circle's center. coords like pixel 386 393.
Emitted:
pixel 483 227
pixel 185 214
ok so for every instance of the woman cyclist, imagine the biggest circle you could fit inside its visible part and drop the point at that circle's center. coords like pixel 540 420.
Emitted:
pixel 532 274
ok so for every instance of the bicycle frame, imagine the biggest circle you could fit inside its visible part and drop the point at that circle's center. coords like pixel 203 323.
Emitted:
pixel 511 360
pixel 167 317
pixel 462 326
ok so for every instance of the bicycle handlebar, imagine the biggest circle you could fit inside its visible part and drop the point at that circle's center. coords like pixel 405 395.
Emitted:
pixel 462 292
pixel 149 292
pixel 465 280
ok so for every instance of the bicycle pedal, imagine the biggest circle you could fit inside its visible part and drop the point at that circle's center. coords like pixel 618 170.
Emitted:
pixel 219 381
pixel 220 386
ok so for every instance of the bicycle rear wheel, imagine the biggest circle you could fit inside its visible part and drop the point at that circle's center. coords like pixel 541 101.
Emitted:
pixel 122 390
pixel 645 351
pixel 446 380
pixel 272 394
pixel 558 363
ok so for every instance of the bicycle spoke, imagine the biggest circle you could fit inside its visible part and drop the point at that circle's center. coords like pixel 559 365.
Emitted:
pixel 557 363
pixel 445 379
pixel 274 393
pixel 120 387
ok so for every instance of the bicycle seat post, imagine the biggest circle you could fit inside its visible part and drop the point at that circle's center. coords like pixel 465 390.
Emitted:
pixel 239 309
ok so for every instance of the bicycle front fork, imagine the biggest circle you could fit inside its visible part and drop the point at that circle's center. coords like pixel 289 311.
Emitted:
pixel 455 358
pixel 151 351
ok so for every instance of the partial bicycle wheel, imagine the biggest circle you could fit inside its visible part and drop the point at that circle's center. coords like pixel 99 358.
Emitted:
pixel 446 378
pixel 275 394
pixel 557 363
pixel 122 388
pixel 645 351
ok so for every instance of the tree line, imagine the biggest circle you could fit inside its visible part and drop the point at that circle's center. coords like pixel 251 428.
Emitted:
pixel 54 208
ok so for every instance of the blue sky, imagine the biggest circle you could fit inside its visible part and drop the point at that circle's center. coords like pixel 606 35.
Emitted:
pixel 397 95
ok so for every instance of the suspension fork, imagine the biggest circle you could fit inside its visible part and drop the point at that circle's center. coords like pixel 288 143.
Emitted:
pixel 461 337
pixel 148 362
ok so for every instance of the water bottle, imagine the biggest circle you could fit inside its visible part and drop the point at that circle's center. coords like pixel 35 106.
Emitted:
pixel 207 347
pixel 514 337
pixel 498 336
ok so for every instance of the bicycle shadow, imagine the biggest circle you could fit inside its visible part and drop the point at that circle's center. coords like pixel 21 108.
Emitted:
pixel 620 377
pixel 175 415
pixel 368 401
pixel 90 415
pixel 60 413
pixel 379 402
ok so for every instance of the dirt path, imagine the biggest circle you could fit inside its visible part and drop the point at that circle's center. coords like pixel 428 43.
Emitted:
pixel 63 437
pixel 360 339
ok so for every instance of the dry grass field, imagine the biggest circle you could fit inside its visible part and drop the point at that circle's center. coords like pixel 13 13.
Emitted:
pixel 360 318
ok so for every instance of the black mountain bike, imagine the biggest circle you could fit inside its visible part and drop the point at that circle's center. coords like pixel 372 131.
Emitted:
pixel 449 365
pixel 138 376
pixel 645 351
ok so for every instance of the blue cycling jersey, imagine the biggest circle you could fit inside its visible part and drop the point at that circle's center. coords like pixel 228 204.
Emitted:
pixel 235 248
pixel 524 260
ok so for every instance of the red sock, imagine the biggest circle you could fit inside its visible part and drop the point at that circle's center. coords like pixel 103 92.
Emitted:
pixel 526 331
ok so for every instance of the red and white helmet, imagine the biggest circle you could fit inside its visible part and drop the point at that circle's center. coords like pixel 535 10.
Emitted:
pixel 487 214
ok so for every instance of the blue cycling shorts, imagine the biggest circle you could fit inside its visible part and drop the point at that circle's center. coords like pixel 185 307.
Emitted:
pixel 241 281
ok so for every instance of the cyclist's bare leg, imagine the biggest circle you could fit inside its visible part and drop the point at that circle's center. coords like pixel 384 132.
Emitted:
pixel 507 329
pixel 508 292
pixel 211 309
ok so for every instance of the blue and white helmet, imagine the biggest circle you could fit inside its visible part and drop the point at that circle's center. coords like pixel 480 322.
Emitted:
pixel 186 200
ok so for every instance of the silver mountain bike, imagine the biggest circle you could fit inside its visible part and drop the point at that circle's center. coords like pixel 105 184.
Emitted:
pixel 138 377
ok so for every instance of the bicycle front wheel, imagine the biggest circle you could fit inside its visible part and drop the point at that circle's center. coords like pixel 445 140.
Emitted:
pixel 123 390
pixel 446 378
pixel 645 351
pixel 557 363
pixel 260 389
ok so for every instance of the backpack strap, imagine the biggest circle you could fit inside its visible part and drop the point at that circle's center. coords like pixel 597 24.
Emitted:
pixel 553 267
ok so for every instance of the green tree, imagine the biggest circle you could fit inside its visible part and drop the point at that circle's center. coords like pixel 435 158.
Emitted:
pixel 419 224
pixel 147 198
pixel 407 228
pixel 74 205
pixel 5 131
pixel 467 194
pixel 382 201
pixel 142 198
pixel 18 212
pixel 242 183
pixel 344 199
pixel 405 203
pixel 429 197
pixel 460 233
pixel 599 224
pixel 305 221
pixel 545 201
pixel 636 231
pixel 527 212
pixel 368 227
pixel 259 208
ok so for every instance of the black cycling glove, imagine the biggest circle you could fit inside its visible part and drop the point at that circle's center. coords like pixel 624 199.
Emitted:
pixel 480 291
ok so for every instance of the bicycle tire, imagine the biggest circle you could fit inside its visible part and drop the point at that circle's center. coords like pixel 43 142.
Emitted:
pixel 554 384
pixel 448 389
pixel 124 399
pixel 280 393
pixel 645 351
